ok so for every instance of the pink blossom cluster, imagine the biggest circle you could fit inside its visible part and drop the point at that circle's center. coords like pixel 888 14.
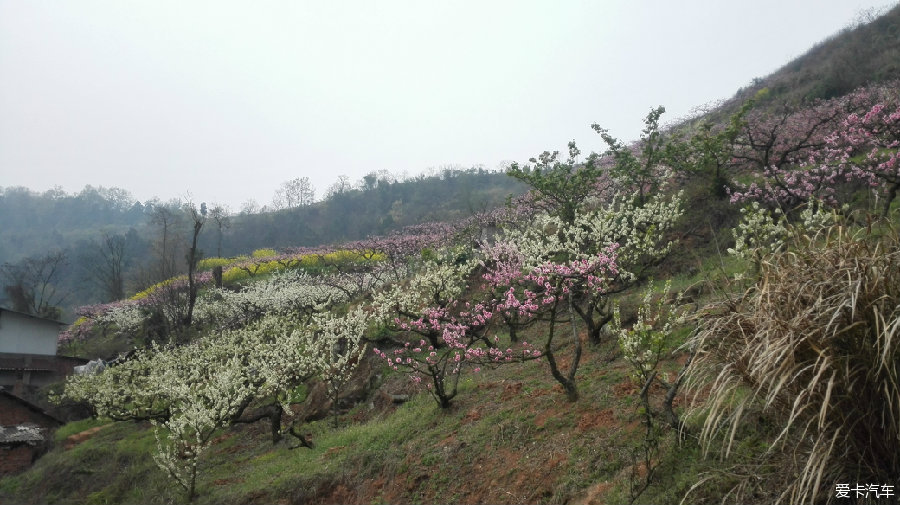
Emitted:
pixel 455 333
pixel 875 138
pixel 546 283
pixel 90 315
pixel 860 148
pixel 790 187
pixel 593 272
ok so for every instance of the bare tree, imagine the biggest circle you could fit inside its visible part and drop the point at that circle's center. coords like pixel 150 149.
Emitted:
pixel 342 185
pixel 168 221
pixel 105 265
pixel 221 216
pixel 198 219
pixel 250 207
pixel 29 284
pixel 294 193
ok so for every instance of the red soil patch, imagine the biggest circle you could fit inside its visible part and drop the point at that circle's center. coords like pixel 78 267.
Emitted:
pixel 594 495
pixel 488 385
pixel 541 419
pixel 511 390
pixel 73 440
pixel 226 482
pixel 626 388
pixel 448 440
pixel 629 387
pixel 472 416
pixel 338 494
pixel 539 392
pixel 596 420
pixel 558 411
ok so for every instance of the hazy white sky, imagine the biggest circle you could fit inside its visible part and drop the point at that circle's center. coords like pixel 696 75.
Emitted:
pixel 227 99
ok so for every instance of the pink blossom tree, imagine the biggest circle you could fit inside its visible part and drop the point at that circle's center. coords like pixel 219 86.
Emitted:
pixel 793 152
pixel 867 148
pixel 443 326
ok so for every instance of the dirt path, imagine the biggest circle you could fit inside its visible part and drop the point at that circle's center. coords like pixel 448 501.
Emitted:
pixel 73 440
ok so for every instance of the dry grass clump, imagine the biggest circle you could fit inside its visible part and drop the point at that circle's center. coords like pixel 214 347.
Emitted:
pixel 813 348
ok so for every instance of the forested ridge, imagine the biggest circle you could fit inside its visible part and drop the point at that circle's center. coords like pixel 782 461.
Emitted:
pixel 108 227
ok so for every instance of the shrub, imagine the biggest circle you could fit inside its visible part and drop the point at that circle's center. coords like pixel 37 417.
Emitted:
pixel 264 253
pixel 210 263
pixel 814 347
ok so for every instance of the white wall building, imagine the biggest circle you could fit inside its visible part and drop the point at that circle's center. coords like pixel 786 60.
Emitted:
pixel 28 356
pixel 26 334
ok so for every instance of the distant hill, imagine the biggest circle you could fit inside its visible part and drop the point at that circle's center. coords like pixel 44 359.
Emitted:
pixel 36 223
pixel 379 209
pixel 864 53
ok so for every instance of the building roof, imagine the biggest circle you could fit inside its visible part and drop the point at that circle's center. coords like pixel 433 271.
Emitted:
pixel 23 433
pixel 27 404
pixel 32 316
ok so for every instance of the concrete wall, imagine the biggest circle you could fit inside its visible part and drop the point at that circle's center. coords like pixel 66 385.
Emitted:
pixel 24 334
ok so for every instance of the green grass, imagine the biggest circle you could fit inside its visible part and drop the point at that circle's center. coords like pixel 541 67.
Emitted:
pixel 77 427
pixel 509 437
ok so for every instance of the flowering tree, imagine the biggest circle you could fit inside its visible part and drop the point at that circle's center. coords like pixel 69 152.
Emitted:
pixel 287 293
pixel 450 332
pixel 797 152
pixel 644 345
pixel 584 216
pixel 867 147
pixel 338 346
pixel 637 168
pixel 536 277
pixel 242 375
pixel 588 242
pixel 763 232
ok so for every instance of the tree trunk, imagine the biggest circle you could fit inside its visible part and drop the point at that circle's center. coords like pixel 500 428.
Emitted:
pixel 217 275
pixel 567 383
pixel 273 412
pixel 192 267
pixel 192 487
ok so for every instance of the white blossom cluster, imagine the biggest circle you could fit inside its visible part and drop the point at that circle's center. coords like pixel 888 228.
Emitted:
pixel 435 283
pixel 128 319
pixel 285 293
pixel 191 391
pixel 203 399
pixel 816 216
pixel 337 346
pixel 649 338
pixel 639 231
pixel 759 231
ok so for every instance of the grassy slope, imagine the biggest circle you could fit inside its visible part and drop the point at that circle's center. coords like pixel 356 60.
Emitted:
pixel 509 438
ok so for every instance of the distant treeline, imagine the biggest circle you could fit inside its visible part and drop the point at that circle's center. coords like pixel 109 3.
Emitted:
pixel 112 244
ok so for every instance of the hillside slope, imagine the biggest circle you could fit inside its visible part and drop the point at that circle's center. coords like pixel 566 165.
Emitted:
pixel 622 334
